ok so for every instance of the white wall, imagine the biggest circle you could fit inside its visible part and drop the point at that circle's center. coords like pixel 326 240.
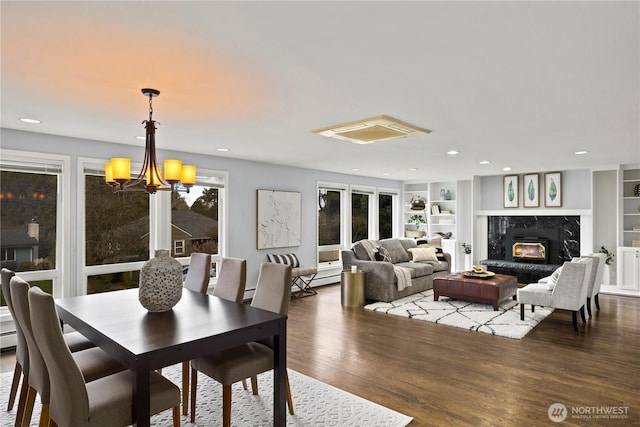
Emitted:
pixel 245 178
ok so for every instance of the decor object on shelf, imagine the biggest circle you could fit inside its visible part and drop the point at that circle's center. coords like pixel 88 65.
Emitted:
pixel 278 219
pixel 442 194
pixel 444 235
pixel 418 203
pixel 531 190
pixel 417 219
pixel 150 179
pixel 636 191
pixel 553 189
pixel 510 197
pixel 160 282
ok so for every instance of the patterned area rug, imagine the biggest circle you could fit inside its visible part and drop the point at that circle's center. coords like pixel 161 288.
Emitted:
pixel 467 315
pixel 315 404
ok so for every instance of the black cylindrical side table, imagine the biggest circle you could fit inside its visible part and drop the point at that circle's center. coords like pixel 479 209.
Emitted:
pixel 353 288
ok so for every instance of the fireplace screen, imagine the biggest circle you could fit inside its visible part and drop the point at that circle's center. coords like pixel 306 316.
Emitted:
pixel 529 251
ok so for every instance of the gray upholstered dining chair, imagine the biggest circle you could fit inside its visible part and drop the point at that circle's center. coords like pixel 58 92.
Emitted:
pixel 93 362
pixel 569 292
pixel 75 341
pixel 273 292
pixel 107 401
pixel 199 272
pixel 231 281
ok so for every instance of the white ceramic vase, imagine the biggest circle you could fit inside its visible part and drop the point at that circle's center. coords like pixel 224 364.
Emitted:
pixel 606 275
pixel 468 261
pixel 160 282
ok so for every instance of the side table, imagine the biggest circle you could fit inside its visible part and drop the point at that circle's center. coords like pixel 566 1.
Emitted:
pixel 352 286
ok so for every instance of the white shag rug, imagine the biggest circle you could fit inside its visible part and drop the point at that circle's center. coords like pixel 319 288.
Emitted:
pixel 466 315
pixel 315 404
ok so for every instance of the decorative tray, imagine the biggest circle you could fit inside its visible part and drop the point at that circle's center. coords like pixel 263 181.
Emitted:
pixel 482 275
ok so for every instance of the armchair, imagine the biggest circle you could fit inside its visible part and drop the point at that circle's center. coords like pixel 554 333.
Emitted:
pixel 568 293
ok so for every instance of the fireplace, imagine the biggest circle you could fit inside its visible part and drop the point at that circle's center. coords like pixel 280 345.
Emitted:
pixel 530 249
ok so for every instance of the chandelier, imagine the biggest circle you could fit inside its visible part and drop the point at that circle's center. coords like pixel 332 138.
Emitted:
pixel 118 171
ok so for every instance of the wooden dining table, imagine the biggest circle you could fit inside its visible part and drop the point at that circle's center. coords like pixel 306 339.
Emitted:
pixel 198 325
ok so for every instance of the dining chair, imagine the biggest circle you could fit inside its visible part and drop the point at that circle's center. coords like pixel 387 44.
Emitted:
pixel 231 281
pixel 107 401
pixel 273 292
pixel 93 362
pixel 199 272
pixel 75 341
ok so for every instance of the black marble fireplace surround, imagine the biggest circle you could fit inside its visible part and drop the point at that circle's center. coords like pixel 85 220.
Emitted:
pixel 563 233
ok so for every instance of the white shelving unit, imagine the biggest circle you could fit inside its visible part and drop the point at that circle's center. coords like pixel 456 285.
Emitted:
pixel 630 208
pixel 443 208
pixel 629 237
pixel 417 190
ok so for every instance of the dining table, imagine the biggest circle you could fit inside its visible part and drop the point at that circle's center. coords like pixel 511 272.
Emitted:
pixel 199 324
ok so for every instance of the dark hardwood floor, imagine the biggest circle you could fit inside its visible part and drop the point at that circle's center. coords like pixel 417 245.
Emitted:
pixel 445 376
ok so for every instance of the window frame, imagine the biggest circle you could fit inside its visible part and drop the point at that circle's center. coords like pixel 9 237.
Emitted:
pixel 372 218
pixel 159 220
pixel 36 161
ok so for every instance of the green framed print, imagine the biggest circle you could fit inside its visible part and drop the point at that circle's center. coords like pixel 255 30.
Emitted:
pixel 510 197
pixel 553 189
pixel 531 190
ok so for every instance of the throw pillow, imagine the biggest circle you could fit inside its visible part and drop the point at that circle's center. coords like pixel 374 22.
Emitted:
pixel 384 255
pixel 395 249
pixel 434 242
pixel 289 259
pixel 423 254
pixel 365 249
pixel 553 279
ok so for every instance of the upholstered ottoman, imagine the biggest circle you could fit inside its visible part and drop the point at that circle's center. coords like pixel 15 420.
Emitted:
pixel 489 290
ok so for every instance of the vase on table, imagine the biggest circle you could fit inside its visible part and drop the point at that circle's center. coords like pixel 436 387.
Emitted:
pixel 160 282
pixel 606 275
pixel 467 262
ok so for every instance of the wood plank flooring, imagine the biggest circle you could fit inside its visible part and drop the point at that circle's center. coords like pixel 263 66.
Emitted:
pixel 445 376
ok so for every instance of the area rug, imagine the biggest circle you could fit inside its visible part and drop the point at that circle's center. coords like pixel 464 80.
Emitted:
pixel 467 315
pixel 315 403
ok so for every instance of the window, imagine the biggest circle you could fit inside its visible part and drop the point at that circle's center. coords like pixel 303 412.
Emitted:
pixel 362 209
pixel 329 217
pixel 32 195
pixel 121 228
pixel 178 247
pixel 385 215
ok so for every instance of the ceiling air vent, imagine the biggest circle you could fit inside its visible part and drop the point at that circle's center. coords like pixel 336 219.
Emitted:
pixel 374 129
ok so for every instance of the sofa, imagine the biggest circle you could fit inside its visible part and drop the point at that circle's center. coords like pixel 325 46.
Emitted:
pixel 423 260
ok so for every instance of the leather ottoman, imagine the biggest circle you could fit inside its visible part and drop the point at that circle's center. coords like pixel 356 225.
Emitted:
pixel 490 290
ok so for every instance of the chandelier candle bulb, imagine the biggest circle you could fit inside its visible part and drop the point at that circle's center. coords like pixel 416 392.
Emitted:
pixel 108 173
pixel 172 170
pixel 121 169
pixel 188 176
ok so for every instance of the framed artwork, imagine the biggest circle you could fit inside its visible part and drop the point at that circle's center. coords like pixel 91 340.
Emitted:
pixel 278 219
pixel 510 195
pixel 531 190
pixel 553 189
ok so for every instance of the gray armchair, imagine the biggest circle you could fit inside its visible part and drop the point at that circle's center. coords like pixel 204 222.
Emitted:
pixel 568 293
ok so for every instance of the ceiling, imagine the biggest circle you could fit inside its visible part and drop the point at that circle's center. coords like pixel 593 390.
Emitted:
pixel 520 84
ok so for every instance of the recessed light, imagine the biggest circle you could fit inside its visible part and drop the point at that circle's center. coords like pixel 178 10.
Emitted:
pixel 484 162
pixel 413 169
pixel 224 150
pixel 581 152
pixel 453 152
pixel 142 138
pixel 29 120
pixel 506 168
pixel 355 170
pixel 386 174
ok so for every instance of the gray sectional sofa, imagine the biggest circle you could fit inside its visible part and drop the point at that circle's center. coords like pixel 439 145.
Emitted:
pixel 381 280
